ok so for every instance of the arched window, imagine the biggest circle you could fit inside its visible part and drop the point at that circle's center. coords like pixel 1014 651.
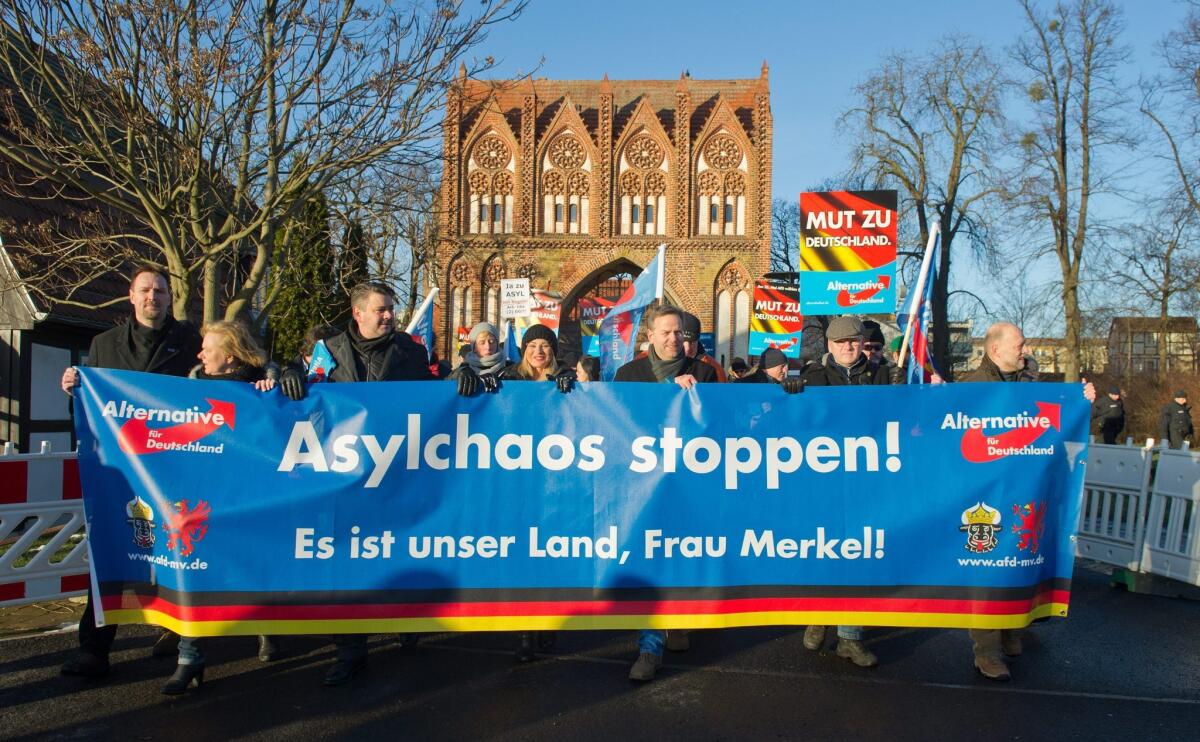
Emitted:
pixel 490 184
pixel 643 187
pixel 566 186
pixel 741 325
pixel 721 187
pixel 722 338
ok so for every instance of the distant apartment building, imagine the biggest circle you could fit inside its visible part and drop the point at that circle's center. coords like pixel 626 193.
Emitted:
pixel 1134 343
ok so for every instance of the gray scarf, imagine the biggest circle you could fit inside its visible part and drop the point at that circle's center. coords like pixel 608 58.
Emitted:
pixel 666 370
pixel 492 364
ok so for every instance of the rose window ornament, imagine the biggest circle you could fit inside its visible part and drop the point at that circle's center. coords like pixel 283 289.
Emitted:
pixel 735 184
pixel 709 183
pixel 461 273
pixel 479 182
pixel 502 184
pixel 578 184
pixel 656 184
pixel 566 152
pixel 553 183
pixel 732 277
pixel 723 152
pixel 644 152
pixel 631 184
pixel 529 271
pixel 492 152
pixel 495 272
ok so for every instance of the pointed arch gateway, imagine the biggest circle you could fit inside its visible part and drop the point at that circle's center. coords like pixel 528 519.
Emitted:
pixel 608 282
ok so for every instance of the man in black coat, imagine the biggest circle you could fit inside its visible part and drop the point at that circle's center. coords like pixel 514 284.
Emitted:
pixel 152 341
pixel 1175 423
pixel 369 349
pixel 773 369
pixel 1004 361
pixel 1111 414
pixel 665 361
pixel 845 365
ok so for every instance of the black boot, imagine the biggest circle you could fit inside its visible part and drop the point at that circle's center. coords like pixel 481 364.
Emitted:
pixel 547 640
pixel 86 665
pixel 184 676
pixel 525 651
pixel 268 650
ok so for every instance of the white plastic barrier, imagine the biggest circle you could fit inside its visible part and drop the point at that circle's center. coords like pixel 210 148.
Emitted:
pixel 42 525
pixel 1111 516
pixel 1172 536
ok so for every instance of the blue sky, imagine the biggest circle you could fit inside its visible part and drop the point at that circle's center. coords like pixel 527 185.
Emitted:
pixel 817 53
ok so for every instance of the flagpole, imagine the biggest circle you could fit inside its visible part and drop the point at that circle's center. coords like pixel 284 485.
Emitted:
pixel 412 321
pixel 658 278
pixel 919 291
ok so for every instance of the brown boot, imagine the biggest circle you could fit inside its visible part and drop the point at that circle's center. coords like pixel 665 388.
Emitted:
pixel 814 637
pixel 991 667
pixel 856 652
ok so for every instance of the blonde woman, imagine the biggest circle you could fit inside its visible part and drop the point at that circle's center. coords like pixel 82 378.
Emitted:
pixel 228 352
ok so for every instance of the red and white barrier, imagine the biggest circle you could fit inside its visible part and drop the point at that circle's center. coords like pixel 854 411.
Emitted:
pixel 40 496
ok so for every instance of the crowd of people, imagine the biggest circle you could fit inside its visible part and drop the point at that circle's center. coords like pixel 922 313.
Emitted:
pixel 370 348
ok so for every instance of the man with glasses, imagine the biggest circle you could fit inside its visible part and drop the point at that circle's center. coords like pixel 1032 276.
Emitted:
pixel 845 365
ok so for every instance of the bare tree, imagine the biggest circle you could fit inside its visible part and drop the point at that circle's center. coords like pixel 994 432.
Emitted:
pixel 1070 57
pixel 1155 264
pixel 207 124
pixel 927 125
pixel 785 235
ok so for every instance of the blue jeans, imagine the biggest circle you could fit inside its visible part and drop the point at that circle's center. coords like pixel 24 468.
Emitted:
pixel 191 651
pixel 652 641
pixel 850 633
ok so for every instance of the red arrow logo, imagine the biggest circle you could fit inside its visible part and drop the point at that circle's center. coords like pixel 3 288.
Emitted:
pixel 135 435
pixel 975 443
pixel 847 299
pixel 782 346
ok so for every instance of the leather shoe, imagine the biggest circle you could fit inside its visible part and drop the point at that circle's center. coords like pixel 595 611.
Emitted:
pixel 343 671
pixel 86 665
pixel 167 645
pixel 184 676
pixel 268 650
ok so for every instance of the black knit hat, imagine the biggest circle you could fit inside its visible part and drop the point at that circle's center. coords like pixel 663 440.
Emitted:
pixel 772 357
pixel 539 332
pixel 691 326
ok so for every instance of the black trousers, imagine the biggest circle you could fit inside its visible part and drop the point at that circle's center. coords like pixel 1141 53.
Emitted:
pixel 93 639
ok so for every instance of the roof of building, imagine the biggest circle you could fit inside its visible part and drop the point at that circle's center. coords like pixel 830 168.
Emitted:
pixel 660 96
pixel 1152 324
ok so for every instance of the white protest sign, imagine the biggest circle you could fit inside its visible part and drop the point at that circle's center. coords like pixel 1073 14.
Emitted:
pixel 515 299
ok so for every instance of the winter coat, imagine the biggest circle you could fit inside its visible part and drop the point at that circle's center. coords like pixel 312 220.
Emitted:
pixel 173 355
pixel 1111 414
pixel 988 371
pixel 862 373
pixel 1175 424
pixel 246 374
pixel 640 369
pixel 394 357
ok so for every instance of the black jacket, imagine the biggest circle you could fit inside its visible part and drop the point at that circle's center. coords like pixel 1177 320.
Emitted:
pixel 640 369
pixel 395 358
pixel 988 371
pixel 1111 414
pixel 862 373
pixel 1175 424
pixel 174 356
pixel 758 377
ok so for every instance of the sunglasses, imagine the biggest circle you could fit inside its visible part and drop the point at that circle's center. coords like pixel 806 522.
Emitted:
pixel 873 346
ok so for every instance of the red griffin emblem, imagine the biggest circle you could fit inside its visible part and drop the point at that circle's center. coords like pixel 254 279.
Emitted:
pixel 186 526
pixel 979 447
pixel 1031 523
pixel 847 299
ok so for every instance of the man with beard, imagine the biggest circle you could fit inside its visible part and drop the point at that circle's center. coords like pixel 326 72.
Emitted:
pixel 152 341
pixel 369 349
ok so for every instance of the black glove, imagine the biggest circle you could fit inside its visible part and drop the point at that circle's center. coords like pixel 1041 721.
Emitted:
pixel 792 385
pixel 490 383
pixel 565 380
pixel 291 383
pixel 896 374
pixel 468 381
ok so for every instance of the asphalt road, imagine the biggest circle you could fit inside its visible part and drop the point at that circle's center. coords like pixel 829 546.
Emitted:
pixel 1122 667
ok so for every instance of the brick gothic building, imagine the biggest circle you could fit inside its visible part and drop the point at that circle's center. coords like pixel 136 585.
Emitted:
pixel 573 184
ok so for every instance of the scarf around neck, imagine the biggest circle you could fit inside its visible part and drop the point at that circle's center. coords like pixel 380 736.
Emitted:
pixel 666 370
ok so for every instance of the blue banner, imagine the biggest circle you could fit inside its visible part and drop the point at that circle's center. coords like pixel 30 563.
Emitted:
pixel 215 509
